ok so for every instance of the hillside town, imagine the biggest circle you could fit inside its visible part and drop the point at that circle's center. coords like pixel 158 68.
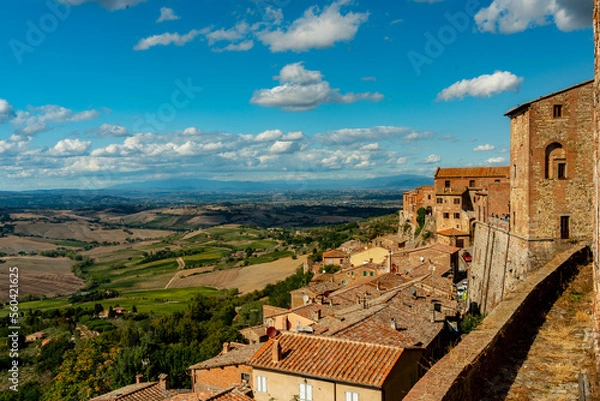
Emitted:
pixel 376 316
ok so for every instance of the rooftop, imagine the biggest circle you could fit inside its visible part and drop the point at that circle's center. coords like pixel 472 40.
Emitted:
pixel 452 232
pixel 339 359
pixel 237 356
pixel 135 392
pixel 472 172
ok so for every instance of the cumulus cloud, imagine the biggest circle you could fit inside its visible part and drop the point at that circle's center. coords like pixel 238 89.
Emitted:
pixel 7 111
pixel 402 160
pixel 284 147
pixel 167 14
pixel 302 89
pixel 166 39
pixel 511 16
pixel 496 160
pixel 269 135
pixel 111 5
pixel 483 86
pixel 349 136
pixel 483 148
pixel 236 47
pixel 432 159
pixel 293 136
pixel 38 119
pixel 69 147
pixel 109 131
pixel 315 29
pixel 191 131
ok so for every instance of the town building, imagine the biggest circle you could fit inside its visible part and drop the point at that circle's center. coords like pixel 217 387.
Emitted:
pixel 308 367
pixel 412 201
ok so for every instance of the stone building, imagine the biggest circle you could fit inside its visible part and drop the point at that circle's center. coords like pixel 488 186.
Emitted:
pixel 458 191
pixel 551 193
pixel 421 197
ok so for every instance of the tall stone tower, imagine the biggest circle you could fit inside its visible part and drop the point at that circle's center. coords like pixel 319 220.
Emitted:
pixel 551 149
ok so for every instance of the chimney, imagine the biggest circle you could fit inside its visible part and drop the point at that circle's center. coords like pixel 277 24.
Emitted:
pixel 225 348
pixel 163 381
pixel 393 324
pixel 276 351
pixel 138 378
pixel 316 315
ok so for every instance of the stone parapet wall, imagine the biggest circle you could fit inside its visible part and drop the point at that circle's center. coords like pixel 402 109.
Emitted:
pixel 461 374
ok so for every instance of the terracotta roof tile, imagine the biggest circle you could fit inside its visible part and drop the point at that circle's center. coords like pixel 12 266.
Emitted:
pixel 135 392
pixel 231 394
pixel 339 359
pixel 238 356
pixel 463 172
pixel 335 253
pixel 452 231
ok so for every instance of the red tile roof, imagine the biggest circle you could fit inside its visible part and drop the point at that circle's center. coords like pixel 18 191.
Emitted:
pixel 464 172
pixel 452 232
pixel 231 394
pixel 238 356
pixel 338 359
pixel 335 253
pixel 135 392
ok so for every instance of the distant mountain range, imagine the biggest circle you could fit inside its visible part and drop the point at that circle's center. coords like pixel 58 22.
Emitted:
pixel 405 181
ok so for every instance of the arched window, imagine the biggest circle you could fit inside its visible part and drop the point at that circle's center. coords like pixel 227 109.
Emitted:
pixel 556 162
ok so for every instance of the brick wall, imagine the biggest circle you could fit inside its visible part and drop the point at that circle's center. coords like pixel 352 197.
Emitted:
pixel 219 378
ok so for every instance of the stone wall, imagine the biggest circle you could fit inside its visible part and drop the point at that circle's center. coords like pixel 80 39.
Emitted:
pixel 461 374
pixel 501 260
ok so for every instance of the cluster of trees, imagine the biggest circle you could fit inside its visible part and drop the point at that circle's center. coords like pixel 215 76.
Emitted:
pixel 167 253
pixel 66 370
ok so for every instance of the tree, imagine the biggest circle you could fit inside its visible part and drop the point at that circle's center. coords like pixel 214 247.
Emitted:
pixel 421 216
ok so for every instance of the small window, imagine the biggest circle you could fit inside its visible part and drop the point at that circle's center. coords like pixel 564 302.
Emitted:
pixel 371 274
pixel 562 171
pixel 564 227
pixel 261 384
pixel 440 200
pixel 472 183
pixel 446 215
pixel 457 215
pixel 457 201
pixel 305 392
pixel 497 181
pixel 351 396
pixel 557 113
pixel 246 377
pixel 447 184
pixel 429 197
pixel 364 272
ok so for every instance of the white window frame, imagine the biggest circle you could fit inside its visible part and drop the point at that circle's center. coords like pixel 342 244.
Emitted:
pixel 261 384
pixel 351 396
pixel 305 392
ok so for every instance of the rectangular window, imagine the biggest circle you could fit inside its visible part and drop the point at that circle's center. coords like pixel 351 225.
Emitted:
pixel 557 113
pixel 261 384
pixel 497 181
pixel 246 377
pixel 305 392
pixel 457 215
pixel 440 200
pixel 446 215
pixel 429 197
pixel 472 183
pixel 564 227
pixel 351 396
pixel 447 184
pixel 457 201
pixel 562 171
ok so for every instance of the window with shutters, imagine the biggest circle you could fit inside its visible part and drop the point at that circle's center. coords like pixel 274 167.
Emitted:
pixel 351 396
pixel 305 392
pixel 261 384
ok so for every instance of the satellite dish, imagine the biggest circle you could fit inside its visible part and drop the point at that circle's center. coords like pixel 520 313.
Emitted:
pixel 326 294
pixel 271 331
pixel 305 298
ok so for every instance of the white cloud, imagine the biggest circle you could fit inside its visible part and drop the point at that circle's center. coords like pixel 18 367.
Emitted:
pixel 349 136
pixel 276 16
pixel 166 39
pixel 38 119
pixel 191 131
pixel 230 35
pixel 109 131
pixel 302 89
pixel 293 136
pixel 483 86
pixel 402 160
pixel 315 30
pixel 496 160
pixel 511 16
pixel 236 47
pixel 111 5
pixel 370 147
pixel 284 147
pixel 483 148
pixel 69 147
pixel 432 159
pixel 7 111
pixel 167 14
pixel 269 135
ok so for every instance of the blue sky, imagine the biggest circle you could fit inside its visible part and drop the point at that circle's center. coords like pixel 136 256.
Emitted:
pixel 100 92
